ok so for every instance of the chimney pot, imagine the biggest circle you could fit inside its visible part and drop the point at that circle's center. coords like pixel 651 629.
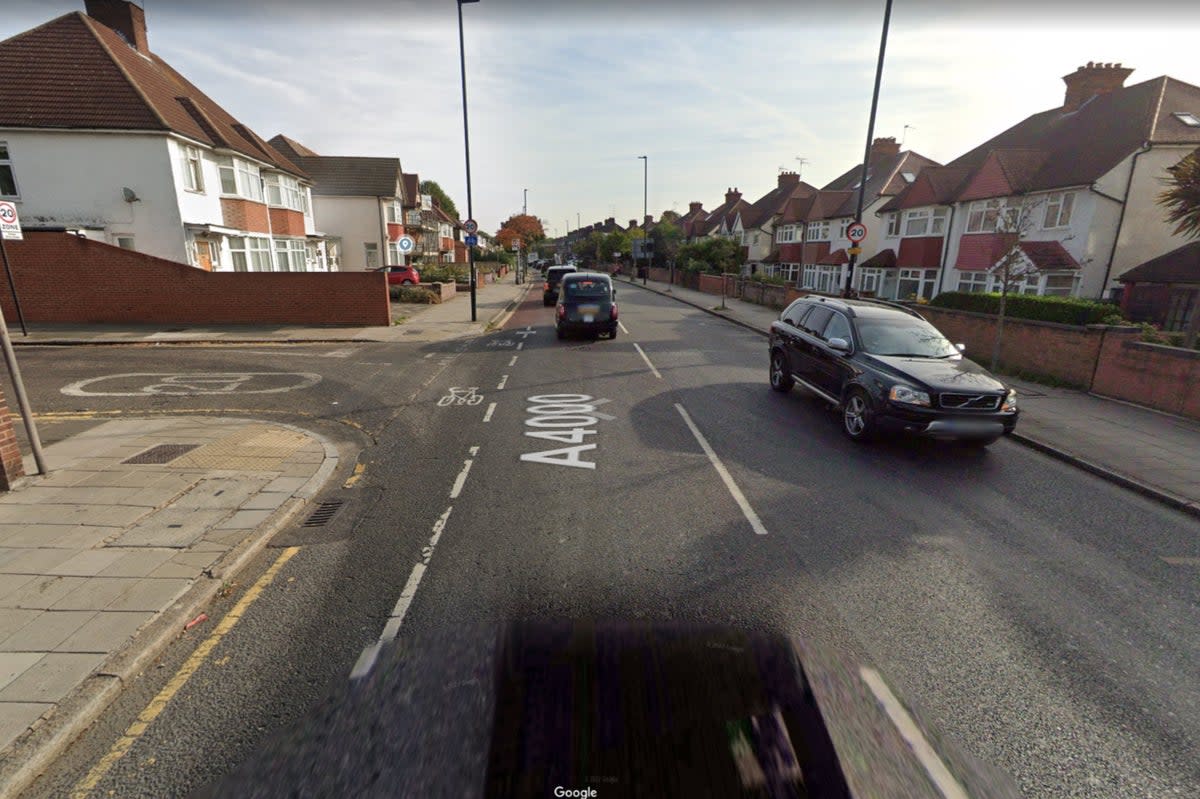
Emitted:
pixel 127 19
pixel 1089 81
pixel 648 219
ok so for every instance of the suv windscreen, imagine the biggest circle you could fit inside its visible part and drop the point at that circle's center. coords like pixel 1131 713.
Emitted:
pixel 591 289
pixel 903 336
pixel 554 276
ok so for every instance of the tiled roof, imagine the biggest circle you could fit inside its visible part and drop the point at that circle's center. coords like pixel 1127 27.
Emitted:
pixel 290 147
pixel 1048 256
pixel 835 258
pixel 822 205
pixel 74 73
pixel 936 185
pixel 1084 145
pixel 727 212
pixel 412 188
pixel 352 176
pixel 1181 265
pixel 884 258
pixel 774 202
pixel 885 176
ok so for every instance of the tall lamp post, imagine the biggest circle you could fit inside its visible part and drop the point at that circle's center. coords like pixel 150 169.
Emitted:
pixel 847 291
pixel 645 208
pixel 462 62
pixel 525 197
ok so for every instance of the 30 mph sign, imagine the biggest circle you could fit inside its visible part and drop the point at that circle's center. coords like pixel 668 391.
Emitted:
pixel 10 224
pixel 856 232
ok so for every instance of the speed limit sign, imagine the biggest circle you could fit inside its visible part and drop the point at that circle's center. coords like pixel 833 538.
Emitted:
pixel 856 232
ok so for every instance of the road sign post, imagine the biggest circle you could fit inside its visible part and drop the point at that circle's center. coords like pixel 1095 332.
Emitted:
pixel 10 228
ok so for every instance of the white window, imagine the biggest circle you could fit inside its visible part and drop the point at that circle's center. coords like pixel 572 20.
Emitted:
pixel 395 214
pixel 937 223
pixel 786 235
pixel 789 272
pixel 973 282
pixel 1060 285
pixel 125 242
pixel 240 178
pixel 1058 210
pixel 214 254
pixel 818 231
pixel 371 252
pixel 414 218
pixel 191 163
pixel 870 280
pixel 810 276
pixel 893 225
pixel 8 178
pixel 916 222
pixel 426 202
pixel 983 216
pixel 250 254
pixel 1010 218
pixel 914 283
pixel 1191 120
pixel 394 256
pixel 842 225
pixel 284 191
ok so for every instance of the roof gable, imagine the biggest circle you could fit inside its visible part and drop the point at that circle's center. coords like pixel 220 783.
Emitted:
pixel 354 176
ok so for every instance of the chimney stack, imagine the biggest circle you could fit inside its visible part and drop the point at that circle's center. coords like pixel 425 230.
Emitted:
pixel 128 20
pixel 789 179
pixel 648 220
pixel 1092 80
pixel 695 208
pixel 884 147
pixel 632 223
pixel 732 195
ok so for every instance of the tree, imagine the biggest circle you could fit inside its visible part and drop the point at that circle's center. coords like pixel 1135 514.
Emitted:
pixel 524 228
pixel 667 237
pixel 1013 222
pixel 431 188
pixel 1182 196
pixel 712 254
pixel 616 245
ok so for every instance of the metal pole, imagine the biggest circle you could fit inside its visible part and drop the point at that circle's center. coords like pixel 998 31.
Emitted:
pixel 13 286
pixel 525 203
pixel 462 62
pixel 645 208
pixel 862 184
pixel 10 358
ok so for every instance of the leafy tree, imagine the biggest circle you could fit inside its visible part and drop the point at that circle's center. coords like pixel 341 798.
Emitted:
pixel 524 228
pixel 668 238
pixel 712 254
pixel 431 188
pixel 1013 223
pixel 617 244
pixel 1182 196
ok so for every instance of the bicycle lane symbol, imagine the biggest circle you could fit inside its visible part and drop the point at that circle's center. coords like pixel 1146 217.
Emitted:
pixel 461 396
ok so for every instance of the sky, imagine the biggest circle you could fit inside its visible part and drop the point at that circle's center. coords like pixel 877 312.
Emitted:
pixel 564 96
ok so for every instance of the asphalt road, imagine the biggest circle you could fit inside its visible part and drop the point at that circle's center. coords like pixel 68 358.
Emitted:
pixel 1021 606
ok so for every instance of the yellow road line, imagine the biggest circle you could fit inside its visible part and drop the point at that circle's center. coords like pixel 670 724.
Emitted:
pixel 359 468
pixel 190 667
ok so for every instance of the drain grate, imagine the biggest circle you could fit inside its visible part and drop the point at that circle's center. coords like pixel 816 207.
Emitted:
pixel 324 512
pixel 162 453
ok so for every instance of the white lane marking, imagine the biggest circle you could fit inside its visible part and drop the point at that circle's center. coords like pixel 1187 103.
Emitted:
pixel 938 773
pixel 513 362
pixel 140 384
pixel 461 480
pixel 487 417
pixel 726 477
pixel 622 326
pixel 428 356
pixel 371 363
pixel 362 666
pixel 647 360
pixel 503 380
pixel 474 451
pixel 346 353
pixel 521 345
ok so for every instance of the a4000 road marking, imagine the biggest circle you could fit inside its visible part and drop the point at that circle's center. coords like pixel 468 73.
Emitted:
pixel 566 419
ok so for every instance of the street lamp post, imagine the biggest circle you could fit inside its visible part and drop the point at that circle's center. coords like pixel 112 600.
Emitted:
pixel 525 202
pixel 862 182
pixel 462 62
pixel 645 208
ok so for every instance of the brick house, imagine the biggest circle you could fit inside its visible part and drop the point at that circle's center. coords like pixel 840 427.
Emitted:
pixel 1084 177
pixel 722 220
pixel 756 225
pixel 102 137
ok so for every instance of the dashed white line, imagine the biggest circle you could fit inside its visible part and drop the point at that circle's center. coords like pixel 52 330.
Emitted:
pixel 487 417
pixel 622 326
pixel 461 480
pixel 513 362
pixel 938 773
pixel 520 345
pixel 738 497
pixel 474 451
pixel 647 360
pixel 503 381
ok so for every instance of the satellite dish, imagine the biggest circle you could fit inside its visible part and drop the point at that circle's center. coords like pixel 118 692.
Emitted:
pixel 130 195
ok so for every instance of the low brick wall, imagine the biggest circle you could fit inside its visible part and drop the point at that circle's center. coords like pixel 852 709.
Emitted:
pixel 660 274
pixel 443 291
pixel 68 279
pixel 1065 352
pixel 767 294
pixel 712 284
pixel 1166 378
pixel 11 465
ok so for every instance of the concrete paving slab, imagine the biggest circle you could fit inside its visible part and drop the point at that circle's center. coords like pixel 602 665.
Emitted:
pixel 105 516
pixel 150 594
pixel 10 584
pixel 137 562
pixel 7 554
pixel 13 619
pixel 14 664
pixel 87 563
pixel 85 537
pixel 244 520
pixel 46 631
pixel 227 538
pixel 34 536
pixel 198 563
pixel 106 631
pixel 51 678
pixel 287 485
pixel 37 561
pixel 92 593
pixel 220 493
pixel 17 717
pixel 84 495
pixel 262 501
pixel 171 527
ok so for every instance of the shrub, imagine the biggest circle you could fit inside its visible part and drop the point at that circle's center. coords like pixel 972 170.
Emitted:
pixel 770 280
pixel 1067 310
pixel 440 274
pixel 410 294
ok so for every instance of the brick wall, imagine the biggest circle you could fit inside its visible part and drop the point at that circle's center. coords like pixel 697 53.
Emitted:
pixel 286 222
pixel 65 278
pixel 1167 378
pixel 1065 352
pixel 245 215
pixel 711 284
pixel 10 454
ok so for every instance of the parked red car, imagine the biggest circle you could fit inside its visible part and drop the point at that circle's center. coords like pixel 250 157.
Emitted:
pixel 401 275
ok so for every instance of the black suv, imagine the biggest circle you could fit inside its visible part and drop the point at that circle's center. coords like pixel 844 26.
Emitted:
pixel 887 370
pixel 550 288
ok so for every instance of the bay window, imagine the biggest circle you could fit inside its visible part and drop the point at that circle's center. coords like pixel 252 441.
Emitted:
pixel 285 191
pixel 973 282
pixel 249 254
pixel 290 255
pixel 240 178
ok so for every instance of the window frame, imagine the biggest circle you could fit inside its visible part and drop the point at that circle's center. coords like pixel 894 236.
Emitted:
pixel 913 216
pixel 978 214
pixel 892 221
pixel 1061 205
pixel 191 162
pixel 6 163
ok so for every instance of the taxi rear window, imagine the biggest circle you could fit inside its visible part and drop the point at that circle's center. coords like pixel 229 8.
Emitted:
pixel 586 288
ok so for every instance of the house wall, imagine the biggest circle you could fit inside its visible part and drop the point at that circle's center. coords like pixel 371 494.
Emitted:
pixel 355 220
pixel 1145 233
pixel 203 208
pixel 75 180
pixel 65 278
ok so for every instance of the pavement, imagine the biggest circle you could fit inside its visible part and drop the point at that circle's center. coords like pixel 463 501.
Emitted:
pixel 412 323
pixel 1154 453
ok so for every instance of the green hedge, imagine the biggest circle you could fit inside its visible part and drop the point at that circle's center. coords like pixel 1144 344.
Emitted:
pixel 410 294
pixel 1067 310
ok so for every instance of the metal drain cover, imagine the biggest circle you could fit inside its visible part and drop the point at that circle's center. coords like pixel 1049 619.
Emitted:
pixel 162 453
pixel 324 512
